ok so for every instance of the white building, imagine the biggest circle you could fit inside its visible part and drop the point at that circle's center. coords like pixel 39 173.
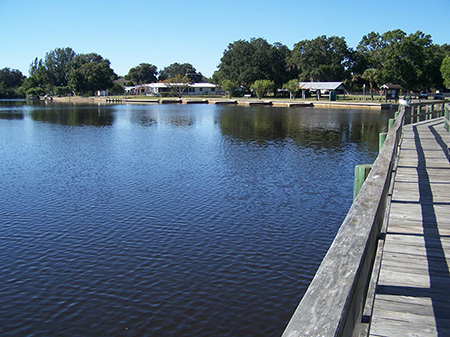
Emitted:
pixel 203 89
pixel 322 88
pixel 154 89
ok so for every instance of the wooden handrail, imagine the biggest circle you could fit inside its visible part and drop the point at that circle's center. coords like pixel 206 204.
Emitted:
pixel 334 301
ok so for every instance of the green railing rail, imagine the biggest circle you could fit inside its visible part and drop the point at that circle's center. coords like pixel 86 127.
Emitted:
pixel 335 303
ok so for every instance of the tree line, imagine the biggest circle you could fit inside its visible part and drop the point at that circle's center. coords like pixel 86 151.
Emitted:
pixel 413 61
pixel 61 72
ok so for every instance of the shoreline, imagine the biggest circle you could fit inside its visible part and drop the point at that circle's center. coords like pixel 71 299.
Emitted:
pixel 225 101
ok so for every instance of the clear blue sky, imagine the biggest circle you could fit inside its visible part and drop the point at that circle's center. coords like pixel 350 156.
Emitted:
pixel 197 32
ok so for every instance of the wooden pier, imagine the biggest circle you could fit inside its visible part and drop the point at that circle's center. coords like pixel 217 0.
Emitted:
pixel 412 297
pixel 387 271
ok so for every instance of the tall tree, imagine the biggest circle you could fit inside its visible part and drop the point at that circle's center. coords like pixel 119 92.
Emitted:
pixel 57 62
pixel 369 52
pixel 11 78
pixel 281 71
pixel 445 70
pixel 185 69
pixel 245 62
pixel 10 81
pixel 90 72
pixel 322 59
pixel 371 76
pixel 403 58
pixel 143 73
pixel 409 60
pixel 434 56
pixel 38 82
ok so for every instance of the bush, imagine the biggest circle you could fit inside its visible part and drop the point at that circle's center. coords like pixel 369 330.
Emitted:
pixel 6 92
pixel 262 87
pixel 116 89
pixel 62 91
pixel 35 92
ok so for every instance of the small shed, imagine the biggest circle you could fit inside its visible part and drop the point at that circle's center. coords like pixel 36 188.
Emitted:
pixel 392 91
pixel 323 88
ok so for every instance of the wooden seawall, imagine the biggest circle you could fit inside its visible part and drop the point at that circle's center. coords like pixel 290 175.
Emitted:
pixel 346 298
pixel 237 101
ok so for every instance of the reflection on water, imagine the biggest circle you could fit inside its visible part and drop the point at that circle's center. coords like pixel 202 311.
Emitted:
pixel 169 220
pixel 74 116
pixel 308 127
pixel 10 116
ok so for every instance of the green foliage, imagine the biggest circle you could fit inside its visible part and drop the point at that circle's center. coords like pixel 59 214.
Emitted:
pixel 185 69
pixel 38 79
pixel 244 62
pixel 35 92
pixel 6 92
pixel 229 86
pixel 293 87
pixel 409 60
pixel 262 87
pixel 11 78
pixel 371 76
pixel 63 71
pixel 445 70
pixel 116 90
pixel 10 82
pixel 62 91
pixel 178 84
pixel 89 73
pixel 412 61
pixel 57 63
pixel 322 59
pixel 143 73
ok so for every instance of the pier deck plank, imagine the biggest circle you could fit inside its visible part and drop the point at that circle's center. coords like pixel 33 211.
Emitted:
pixel 413 292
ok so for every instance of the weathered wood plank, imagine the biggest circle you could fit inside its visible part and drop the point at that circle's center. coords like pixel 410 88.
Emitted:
pixel 413 294
pixel 396 328
pixel 414 213
pixel 415 304
pixel 415 227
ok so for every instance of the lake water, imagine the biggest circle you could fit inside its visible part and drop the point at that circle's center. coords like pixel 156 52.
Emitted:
pixel 163 220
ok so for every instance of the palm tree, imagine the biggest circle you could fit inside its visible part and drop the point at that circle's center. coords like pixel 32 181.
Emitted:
pixel 370 75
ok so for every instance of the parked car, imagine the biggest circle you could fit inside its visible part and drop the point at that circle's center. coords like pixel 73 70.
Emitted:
pixel 423 94
pixel 439 95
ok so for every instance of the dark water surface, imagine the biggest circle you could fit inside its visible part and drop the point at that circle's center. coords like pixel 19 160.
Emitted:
pixel 130 220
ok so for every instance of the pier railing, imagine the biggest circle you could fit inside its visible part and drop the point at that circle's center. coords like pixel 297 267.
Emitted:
pixel 335 302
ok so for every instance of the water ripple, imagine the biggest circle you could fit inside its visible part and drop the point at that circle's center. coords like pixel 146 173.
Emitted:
pixel 156 220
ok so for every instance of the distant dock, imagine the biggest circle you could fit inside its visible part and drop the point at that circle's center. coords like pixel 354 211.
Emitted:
pixel 237 101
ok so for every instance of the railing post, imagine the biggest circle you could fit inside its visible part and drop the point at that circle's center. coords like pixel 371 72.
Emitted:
pixel 390 123
pixel 361 173
pixel 381 138
pixel 407 116
pixel 446 118
pixel 397 113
